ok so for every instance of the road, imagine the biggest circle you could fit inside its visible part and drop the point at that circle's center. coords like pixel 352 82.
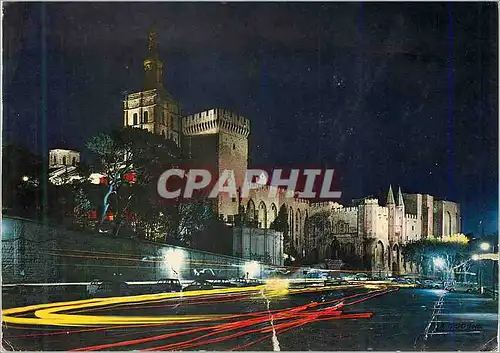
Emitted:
pixel 271 317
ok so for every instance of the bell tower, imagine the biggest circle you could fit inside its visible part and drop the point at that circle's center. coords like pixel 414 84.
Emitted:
pixel 153 108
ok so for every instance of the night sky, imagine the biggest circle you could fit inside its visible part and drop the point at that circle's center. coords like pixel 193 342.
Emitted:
pixel 384 93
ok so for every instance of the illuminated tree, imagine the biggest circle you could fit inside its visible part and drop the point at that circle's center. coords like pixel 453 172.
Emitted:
pixel 131 158
pixel 452 249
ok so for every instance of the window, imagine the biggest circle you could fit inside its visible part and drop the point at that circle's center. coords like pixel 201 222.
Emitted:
pixel 163 117
pixel 234 146
pixel 74 161
pixel 64 160
pixel 145 117
pixel 135 118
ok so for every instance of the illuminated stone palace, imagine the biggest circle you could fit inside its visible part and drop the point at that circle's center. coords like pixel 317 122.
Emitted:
pixel 367 230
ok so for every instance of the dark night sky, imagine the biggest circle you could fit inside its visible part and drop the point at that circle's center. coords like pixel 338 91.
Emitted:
pixel 385 93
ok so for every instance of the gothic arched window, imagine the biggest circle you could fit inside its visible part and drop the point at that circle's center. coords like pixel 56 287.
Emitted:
pixel 145 117
pixel 64 160
pixel 135 118
pixel 74 161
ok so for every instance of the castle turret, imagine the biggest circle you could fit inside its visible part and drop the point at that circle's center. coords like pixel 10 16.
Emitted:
pixel 391 215
pixel 401 202
pixel 399 221
pixel 390 197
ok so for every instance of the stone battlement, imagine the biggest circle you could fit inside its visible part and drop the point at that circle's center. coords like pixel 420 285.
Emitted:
pixel 371 202
pixel 345 210
pixel 213 121
pixel 411 216
pixel 330 204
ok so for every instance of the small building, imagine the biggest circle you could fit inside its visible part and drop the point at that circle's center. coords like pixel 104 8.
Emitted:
pixel 63 164
pixel 258 244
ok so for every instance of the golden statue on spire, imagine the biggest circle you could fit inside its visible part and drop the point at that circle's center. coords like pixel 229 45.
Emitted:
pixel 152 40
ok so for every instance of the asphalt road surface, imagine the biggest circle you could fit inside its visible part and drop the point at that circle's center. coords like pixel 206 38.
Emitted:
pixel 272 317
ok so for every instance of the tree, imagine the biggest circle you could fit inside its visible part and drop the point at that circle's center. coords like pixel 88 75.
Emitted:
pixel 132 160
pixel 452 250
pixel 280 224
pixel 131 151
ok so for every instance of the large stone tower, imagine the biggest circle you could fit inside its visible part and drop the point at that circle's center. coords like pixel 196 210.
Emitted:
pixel 218 139
pixel 153 108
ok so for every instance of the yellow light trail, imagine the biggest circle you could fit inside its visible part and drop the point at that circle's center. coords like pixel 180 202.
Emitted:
pixel 50 314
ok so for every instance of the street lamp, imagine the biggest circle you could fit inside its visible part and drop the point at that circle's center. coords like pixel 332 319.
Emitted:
pixel 439 262
pixel 485 246
pixel 25 178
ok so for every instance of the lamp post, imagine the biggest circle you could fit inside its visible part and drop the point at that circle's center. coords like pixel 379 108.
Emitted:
pixel 485 247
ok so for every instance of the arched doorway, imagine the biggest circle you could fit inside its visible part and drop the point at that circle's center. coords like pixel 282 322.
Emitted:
pixel 250 213
pixel 262 222
pixel 379 256
pixel 298 233
pixel 274 213
pixel 448 223
pixel 395 259
pixel 335 249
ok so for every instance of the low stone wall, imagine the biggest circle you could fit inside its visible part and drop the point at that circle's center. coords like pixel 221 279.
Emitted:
pixel 37 253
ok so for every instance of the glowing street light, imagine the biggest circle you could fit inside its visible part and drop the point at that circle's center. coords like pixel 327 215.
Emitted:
pixel 475 257
pixel 174 258
pixel 484 246
pixel 252 269
pixel 439 262
pixel 25 178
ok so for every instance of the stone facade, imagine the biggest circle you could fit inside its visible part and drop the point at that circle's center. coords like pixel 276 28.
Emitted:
pixel 37 253
pixel 59 157
pixel 263 205
pixel 377 233
pixel 447 219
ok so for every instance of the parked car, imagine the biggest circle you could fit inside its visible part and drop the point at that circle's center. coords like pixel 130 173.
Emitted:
pixel 93 286
pixel 205 273
pixel 348 276
pixel 431 283
pixel 168 285
pixel 111 289
pixel 462 287
pixel 361 277
pixel 198 285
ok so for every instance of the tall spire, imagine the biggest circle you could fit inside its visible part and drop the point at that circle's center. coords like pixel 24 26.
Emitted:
pixel 153 67
pixel 390 196
pixel 400 197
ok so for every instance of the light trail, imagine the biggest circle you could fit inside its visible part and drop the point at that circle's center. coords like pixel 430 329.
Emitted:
pixel 212 329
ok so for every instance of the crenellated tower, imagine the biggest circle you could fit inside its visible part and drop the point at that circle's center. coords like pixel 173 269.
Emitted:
pixel 218 138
